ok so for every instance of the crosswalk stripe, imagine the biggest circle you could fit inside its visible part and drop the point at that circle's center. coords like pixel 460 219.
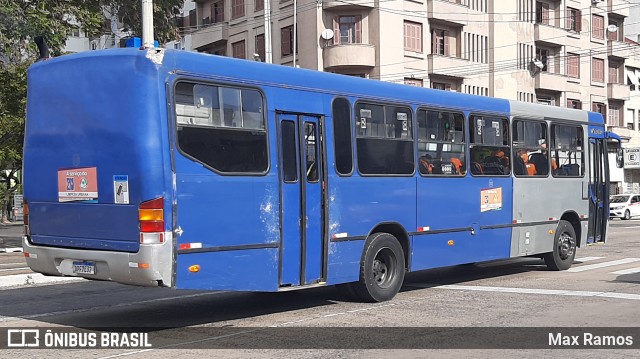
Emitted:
pixel 628 271
pixel 586 259
pixel 573 293
pixel 11 269
pixel 18 280
pixel 603 265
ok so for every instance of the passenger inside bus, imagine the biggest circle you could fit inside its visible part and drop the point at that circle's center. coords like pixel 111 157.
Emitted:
pixel 426 165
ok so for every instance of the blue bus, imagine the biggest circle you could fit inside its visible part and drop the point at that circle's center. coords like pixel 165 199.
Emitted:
pixel 193 171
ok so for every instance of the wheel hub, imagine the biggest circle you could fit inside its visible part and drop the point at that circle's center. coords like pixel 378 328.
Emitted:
pixel 566 246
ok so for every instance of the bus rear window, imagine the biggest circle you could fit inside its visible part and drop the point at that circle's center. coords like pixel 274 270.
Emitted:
pixel 222 127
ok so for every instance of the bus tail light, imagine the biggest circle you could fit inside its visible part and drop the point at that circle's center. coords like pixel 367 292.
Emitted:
pixel 151 219
pixel 25 215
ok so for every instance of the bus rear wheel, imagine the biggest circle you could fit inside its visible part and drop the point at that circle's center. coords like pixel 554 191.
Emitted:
pixel 564 248
pixel 382 268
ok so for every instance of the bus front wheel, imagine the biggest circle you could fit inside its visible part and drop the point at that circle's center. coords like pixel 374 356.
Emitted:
pixel 382 268
pixel 564 248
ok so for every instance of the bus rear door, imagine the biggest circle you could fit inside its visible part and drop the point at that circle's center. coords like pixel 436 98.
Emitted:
pixel 598 186
pixel 301 177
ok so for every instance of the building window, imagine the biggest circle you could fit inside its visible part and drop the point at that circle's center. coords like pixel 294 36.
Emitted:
pixel 286 41
pixel 542 13
pixel 412 36
pixel 546 100
pixel 259 5
pixel 260 47
pixel 238 50
pixel 574 19
pixel 217 11
pixel 573 65
pixel 631 118
pixel 615 35
pixel 597 70
pixel 615 117
pixel 597 24
pixel 543 56
pixel 237 9
pixel 614 70
pixel 440 42
pixel 600 108
pixel 347 29
pixel 441 86
pixel 576 104
pixel 413 82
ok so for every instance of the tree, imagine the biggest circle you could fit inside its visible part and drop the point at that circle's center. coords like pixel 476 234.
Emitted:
pixel 55 20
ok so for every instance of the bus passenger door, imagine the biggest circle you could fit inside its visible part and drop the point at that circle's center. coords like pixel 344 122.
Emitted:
pixel 301 182
pixel 598 191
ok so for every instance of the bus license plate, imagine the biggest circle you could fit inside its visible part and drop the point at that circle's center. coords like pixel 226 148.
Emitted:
pixel 84 268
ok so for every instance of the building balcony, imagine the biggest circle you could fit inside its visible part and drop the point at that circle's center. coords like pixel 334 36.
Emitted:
pixel 349 56
pixel 618 91
pixel 210 35
pixel 346 4
pixel 618 7
pixel 623 132
pixel 620 50
pixel 451 66
pixel 550 35
pixel 454 12
pixel 551 82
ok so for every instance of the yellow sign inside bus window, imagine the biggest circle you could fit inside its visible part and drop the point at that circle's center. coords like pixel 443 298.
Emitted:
pixel 491 199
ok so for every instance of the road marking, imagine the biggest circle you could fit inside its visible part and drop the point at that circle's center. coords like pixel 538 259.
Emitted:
pixel 603 264
pixel 10 269
pixel 572 293
pixel 11 264
pixel 586 259
pixel 19 280
pixel 10 249
pixel 628 271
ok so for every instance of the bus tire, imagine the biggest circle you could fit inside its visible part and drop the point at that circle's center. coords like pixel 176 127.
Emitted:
pixel 564 248
pixel 382 268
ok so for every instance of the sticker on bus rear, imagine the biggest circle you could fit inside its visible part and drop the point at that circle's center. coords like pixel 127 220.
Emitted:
pixel 121 189
pixel 491 199
pixel 77 184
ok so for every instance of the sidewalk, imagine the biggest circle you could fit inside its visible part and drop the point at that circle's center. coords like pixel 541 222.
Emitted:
pixel 11 237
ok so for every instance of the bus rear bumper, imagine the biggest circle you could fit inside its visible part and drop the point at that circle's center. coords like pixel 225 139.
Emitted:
pixel 151 266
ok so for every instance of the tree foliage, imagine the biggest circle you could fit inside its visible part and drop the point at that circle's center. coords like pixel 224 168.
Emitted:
pixel 55 20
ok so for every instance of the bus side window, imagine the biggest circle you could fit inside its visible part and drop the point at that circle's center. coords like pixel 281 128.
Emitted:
pixel 441 143
pixel 212 129
pixel 531 157
pixel 567 151
pixel 489 146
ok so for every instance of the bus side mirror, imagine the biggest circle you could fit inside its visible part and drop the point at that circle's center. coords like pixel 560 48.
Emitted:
pixel 619 158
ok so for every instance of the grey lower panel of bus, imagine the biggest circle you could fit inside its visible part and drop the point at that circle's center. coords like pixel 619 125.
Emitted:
pixel 121 267
pixel 545 200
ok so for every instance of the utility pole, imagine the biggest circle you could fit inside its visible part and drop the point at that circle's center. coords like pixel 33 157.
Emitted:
pixel 147 24
pixel 268 52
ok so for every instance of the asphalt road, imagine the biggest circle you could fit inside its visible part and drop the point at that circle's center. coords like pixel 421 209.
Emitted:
pixel 602 289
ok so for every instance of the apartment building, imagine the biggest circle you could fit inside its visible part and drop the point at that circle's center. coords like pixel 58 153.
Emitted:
pixel 558 52
pixel 569 53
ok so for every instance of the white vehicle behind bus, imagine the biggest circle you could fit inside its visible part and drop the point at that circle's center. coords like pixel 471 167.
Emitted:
pixel 624 206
